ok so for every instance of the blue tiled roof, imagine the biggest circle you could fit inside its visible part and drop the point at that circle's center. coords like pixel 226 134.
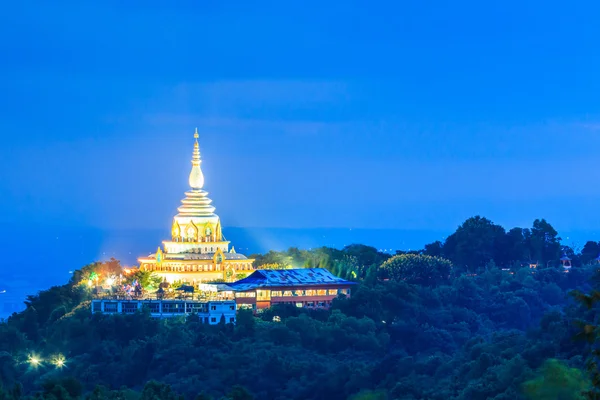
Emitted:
pixel 288 277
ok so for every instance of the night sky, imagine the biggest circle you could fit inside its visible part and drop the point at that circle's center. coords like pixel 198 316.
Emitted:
pixel 408 115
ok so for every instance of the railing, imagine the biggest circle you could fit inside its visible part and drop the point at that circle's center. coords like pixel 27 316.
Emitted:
pixel 170 296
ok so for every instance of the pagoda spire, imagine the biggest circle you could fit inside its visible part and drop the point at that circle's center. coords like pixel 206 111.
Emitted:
pixel 196 177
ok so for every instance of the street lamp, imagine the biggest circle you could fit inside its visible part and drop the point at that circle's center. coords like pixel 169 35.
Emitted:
pixel 59 361
pixel 34 361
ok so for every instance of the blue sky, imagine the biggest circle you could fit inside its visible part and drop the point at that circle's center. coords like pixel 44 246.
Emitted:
pixel 412 115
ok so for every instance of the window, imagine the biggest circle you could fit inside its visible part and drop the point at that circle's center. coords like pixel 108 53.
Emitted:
pixel 232 320
pixel 322 292
pixel 97 306
pixel 311 292
pixel 194 308
pixel 173 308
pixel 299 293
pixel 129 308
pixel 232 307
pixel 299 304
pixel 287 293
pixel 214 308
pixel 276 293
pixel 110 307
pixel 332 292
pixel 154 308
pixel 263 294
pixel 213 319
pixel 245 294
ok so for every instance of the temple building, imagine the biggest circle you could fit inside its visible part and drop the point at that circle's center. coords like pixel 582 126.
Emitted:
pixel 304 287
pixel 197 252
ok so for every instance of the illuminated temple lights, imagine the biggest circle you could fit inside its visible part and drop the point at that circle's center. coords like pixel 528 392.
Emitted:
pixel 197 252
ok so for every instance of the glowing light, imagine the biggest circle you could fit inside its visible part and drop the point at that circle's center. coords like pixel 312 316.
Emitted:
pixel 89 282
pixel 59 361
pixel 34 361
pixel 110 281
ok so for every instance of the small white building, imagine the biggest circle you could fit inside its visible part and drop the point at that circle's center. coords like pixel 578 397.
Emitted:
pixel 210 312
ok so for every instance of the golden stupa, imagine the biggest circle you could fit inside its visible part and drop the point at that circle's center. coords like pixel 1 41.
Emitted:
pixel 197 251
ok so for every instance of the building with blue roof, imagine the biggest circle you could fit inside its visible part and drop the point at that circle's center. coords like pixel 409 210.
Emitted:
pixel 304 287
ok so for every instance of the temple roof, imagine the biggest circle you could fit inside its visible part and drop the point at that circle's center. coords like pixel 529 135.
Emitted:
pixel 196 206
pixel 196 178
pixel 288 277
pixel 205 256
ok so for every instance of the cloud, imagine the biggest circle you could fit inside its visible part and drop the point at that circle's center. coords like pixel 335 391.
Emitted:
pixel 241 126
pixel 256 99
pixel 588 126
pixel 266 92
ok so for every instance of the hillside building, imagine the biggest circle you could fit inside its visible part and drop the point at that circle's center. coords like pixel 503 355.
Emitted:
pixel 304 287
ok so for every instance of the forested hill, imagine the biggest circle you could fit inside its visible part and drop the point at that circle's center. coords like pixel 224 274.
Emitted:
pixel 468 318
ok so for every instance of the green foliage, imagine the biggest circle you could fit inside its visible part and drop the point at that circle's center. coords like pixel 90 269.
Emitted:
pixel 370 395
pixel 158 391
pixel 62 389
pixel 590 251
pixel 239 393
pixel 418 269
pixel 428 332
pixel 101 270
pixel 352 262
pixel 147 279
pixel 556 380
pixel 240 275
pixel 103 393
pixel 474 243
pixel 478 241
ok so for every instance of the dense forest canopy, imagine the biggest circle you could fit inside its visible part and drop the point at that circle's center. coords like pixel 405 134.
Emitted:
pixel 466 318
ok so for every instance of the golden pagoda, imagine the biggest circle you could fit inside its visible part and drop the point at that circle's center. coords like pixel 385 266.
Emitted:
pixel 197 251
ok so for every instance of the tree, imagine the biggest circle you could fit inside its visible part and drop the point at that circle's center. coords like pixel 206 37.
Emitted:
pixel 239 393
pixel 556 380
pixel 516 245
pixel 158 391
pixel 434 249
pixel 365 255
pixel 590 252
pixel 590 332
pixel 477 241
pixel 414 268
pixel 62 389
pixel 274 258
pixel 544 243
pixel 147 279
pixel 369 395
